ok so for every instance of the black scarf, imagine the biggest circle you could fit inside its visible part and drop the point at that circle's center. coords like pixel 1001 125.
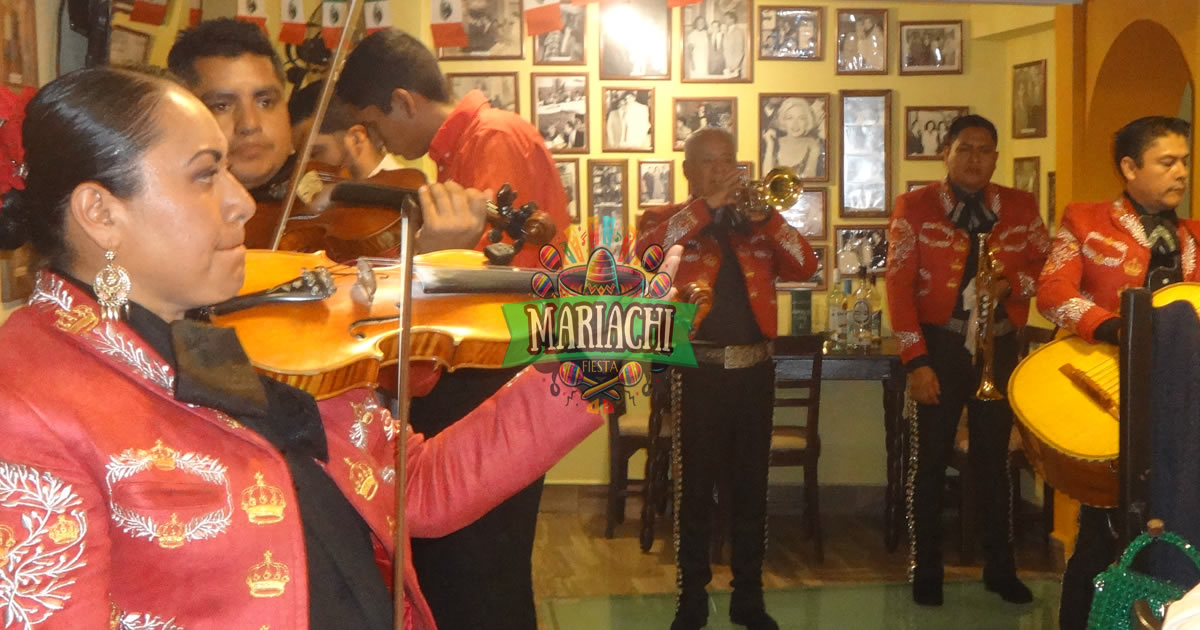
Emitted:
pixel 970 213
pixel 1161 228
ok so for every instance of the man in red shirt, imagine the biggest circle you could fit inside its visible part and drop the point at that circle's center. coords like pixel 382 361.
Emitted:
pixel 480 576
pixel 394 82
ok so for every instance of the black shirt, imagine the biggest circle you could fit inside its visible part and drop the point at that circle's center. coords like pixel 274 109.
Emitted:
pixel 731 321
pixel 973 215
pixel 1164 265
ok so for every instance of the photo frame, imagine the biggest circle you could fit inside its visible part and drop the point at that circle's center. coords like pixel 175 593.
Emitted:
pixel 608 206
pixel 862 45
pixel 568 172
pixel 656 183
pixel 810 214
pixel 791 33
pixel 914 184
pixel 820 278
pixel 499 87
pixel 635 40
pixel 18 57
pixel 17 273
pixel 495 30
pixel 931 47
pixel 925 130
pixel 793 131
pixel 129 47
pixel 718 42
pixel 866 154
pixel 861 245
pixel 693 114
pixel 746 168
pixel 566 46
pixel 628 115
pixel 560 110
pixel 1029 100
pixel 1027 175
pixel 1051 200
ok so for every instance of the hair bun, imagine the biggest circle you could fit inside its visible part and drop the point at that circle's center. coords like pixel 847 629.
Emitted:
pixel 14 220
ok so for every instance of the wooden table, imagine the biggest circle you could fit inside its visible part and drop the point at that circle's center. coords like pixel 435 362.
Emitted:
pixel 883 365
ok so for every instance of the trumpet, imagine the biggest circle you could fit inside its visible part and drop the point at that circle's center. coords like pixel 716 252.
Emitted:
pixel 985 333
pixel 776 192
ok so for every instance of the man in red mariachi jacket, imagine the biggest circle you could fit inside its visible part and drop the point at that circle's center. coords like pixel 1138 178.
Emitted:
pixel 1101 250
pixel 932 262
pixel 728 398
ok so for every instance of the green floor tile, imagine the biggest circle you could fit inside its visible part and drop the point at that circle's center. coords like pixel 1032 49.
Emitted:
pixel 859 607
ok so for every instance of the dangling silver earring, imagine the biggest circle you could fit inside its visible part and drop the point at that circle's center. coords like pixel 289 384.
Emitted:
pixel 112 288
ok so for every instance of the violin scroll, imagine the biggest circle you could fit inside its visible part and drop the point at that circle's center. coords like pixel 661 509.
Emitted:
pixel 524 225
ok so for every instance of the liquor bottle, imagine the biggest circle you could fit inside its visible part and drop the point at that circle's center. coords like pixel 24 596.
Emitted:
pixel 860 315
pixel 875 302
pixel 837 317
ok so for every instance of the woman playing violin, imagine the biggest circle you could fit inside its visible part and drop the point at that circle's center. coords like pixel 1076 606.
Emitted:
pixel 148 476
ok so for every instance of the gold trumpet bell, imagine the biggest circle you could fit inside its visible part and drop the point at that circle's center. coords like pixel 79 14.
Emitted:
pixel 988 391
pixel 776 192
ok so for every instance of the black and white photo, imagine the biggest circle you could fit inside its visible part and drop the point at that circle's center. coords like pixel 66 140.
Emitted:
pixel 500 88
pixel 1027 174
pixel 1029 100
pixel 931 47
pixel 861 247
pixel 566 45
pixel 793 33
pixel 866 153
pixel 607 191
pixel 655 183
pixel 568 172
pixel 628 119
pixel 495 30
pixel 560 111
pixel 862 41
pixel 635 40
pixel 694 114
pixel 794 133
pixel 926 129
pixel 717 40
pixel 809 214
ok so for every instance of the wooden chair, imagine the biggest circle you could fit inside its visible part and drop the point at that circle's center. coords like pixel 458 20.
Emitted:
pixel 626 436
pixel 801 445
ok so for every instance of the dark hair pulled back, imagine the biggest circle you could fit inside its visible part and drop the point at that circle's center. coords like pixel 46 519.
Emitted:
pixel 89 125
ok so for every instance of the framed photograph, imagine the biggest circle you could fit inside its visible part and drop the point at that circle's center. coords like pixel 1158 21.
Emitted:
pixel 862 41
pixel 1027 175
pixel 1029 100
pixel 18 60
pixel 794 132
pixel 717 41
pixel 635 40
pixel 746 168
pixel 791 33
pixel 693 114
pixel 656 183
pixel 914 184
pixel 560 111
pixel 128 47
pixel 499 87
pixel 495 30
pixel 568 172
pixel 628 119
pixel 17 273
pixel 1051 201
pixel 931 47
pixel 564 47
pixel 809 215
pixel 926 128
pixel 861 246
pixel 866 154
pixel 608 209
pixel 820 278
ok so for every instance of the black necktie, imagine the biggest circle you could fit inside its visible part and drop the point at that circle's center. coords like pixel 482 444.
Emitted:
pixel 1160 231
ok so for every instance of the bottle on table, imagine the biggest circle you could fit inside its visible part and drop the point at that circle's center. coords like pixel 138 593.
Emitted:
pixel 860 315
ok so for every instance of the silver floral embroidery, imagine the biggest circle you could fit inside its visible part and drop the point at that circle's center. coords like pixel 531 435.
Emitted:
pixel 114 344
pixel 903 241
pixel 789 241
pixel 133 461
pixel 678 225
pixel 943 235
pixel 388 474
pixel 1089 249
pixel 907 339
pixel 144 621
pixel 1028 285
pixel 1129 220
pixel 50 290
pixel 38 569
pixel 1039 238
pixel 1068 314
pixel 1066 249
pixel 926 283
pixel 1188 256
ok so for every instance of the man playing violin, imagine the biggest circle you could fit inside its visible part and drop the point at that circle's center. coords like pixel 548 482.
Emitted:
pixel 728 399
pixel 342 141
pixel 1100 250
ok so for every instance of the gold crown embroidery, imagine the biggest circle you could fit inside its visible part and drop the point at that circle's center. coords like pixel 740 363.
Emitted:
pixel 77 321
pixel 267 578
pixel 172 534
pixel 65 531
pixel 263 503
pixel 161 457
pixel 8 540
pixel 363 479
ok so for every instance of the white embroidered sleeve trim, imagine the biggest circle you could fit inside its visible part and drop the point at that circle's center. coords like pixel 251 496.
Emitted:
pixel 907 339
pixel 1066 248
pixel 1068 314
pixel 144 621
pixel 903 240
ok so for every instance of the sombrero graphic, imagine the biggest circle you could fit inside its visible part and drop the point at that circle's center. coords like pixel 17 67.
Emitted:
pixel 601 276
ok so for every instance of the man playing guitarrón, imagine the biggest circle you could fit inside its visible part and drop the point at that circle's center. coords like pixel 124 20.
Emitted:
pixel 1101 250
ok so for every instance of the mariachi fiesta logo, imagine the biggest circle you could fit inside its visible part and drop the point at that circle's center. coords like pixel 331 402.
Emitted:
pixel 604 320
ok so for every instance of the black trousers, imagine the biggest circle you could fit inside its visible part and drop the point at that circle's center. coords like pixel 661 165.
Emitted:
pixel 1095 549
pixel 479 576
pixel 726 426
pixel 990 423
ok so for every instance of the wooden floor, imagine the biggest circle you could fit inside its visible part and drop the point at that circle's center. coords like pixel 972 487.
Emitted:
pixel 573 559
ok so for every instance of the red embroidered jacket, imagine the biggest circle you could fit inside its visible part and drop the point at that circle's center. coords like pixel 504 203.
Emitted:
pixel 121 507
pixel 927 253
pixel 1099 251
pixel 772 250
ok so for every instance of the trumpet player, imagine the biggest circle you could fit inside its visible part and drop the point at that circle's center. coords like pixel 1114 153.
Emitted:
pixel 942 287
pixel 1101 249
pixel 727 399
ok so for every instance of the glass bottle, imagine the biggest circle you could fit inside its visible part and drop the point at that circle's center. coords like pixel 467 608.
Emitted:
pixel 837 316
pixel 860 315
